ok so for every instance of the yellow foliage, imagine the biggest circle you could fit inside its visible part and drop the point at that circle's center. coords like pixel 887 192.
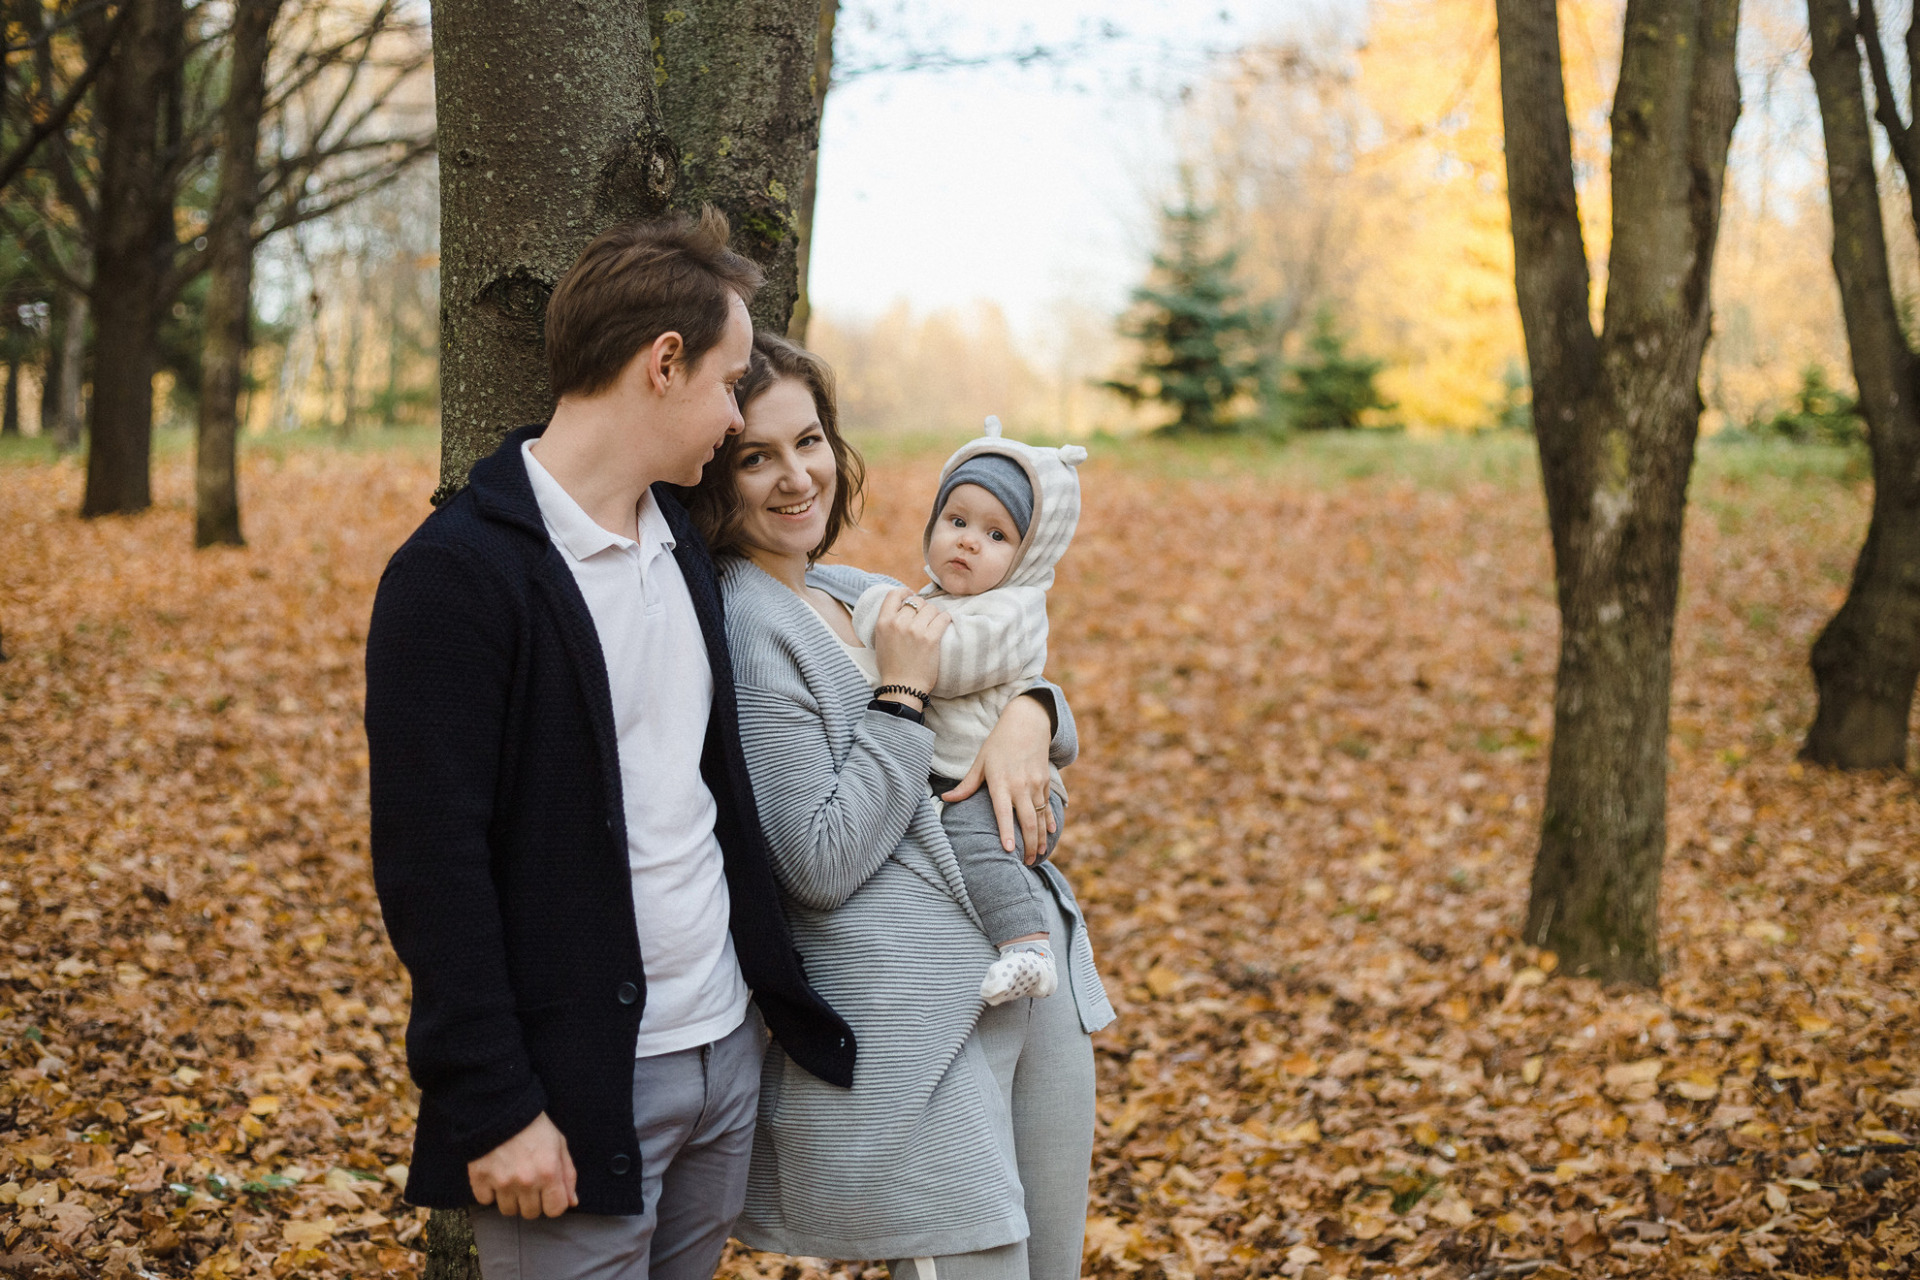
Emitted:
pixel 1371 180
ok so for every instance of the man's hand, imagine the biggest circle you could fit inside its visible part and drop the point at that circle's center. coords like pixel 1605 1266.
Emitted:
pixel 529 1174
pixel 1013 765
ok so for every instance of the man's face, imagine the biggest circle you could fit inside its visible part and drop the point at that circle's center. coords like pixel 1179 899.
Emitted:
pixel 700 411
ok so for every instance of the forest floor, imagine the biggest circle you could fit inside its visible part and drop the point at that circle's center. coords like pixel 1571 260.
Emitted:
pixel 1313 685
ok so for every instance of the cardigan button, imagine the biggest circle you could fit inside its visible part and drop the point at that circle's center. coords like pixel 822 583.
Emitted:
pixel 619 1165
pixel 627 993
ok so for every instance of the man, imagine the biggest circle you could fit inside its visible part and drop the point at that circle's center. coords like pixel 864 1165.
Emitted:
pixel 564 839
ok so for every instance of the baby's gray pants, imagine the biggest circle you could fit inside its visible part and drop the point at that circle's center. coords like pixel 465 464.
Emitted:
pixel 1004 891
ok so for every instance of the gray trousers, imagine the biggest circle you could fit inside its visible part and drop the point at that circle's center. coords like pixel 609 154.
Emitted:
pixel 693 1112
pixel 1043 1064
pixel 1005 892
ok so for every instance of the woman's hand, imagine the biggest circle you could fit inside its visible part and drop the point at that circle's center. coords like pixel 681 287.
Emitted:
pixel 906 640
pixel 1013 764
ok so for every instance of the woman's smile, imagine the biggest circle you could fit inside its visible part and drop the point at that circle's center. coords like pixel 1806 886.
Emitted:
pixel 784 472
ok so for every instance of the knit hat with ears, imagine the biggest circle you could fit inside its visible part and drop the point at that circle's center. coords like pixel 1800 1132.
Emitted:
pixel 1055 489
pixel 1000 476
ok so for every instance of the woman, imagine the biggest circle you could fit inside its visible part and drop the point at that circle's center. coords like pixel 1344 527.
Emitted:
pixel 962 1150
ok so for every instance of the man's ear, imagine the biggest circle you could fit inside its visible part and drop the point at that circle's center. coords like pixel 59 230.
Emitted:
pixel 663 360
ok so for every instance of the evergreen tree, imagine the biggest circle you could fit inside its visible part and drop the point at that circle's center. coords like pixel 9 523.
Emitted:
pixel 1330 389
pixel 1196 335
pixel 1821 414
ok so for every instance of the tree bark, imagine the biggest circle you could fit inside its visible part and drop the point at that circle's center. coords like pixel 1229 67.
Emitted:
pixel 10 411
pixel 810 182
pixel 132 253
pixel 451 1254
pixel 543 144
pixel 739 91
pixel 70 393
pixel 229 313
pixel 1867 659
pixel 1616 415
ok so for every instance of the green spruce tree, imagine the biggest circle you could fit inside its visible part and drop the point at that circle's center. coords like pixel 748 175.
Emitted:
pixel 1820 414
pixel 1196 335
pixel 1331 388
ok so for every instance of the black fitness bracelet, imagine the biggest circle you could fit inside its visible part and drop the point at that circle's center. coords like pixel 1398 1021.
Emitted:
pixel 900 709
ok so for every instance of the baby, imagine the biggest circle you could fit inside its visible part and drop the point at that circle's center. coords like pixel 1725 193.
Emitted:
pixel 1002 519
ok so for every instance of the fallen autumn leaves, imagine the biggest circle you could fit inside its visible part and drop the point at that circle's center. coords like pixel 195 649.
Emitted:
pixel 1313 717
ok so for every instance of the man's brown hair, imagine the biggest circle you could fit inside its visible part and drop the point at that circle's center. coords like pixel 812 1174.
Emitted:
pixel 636 282
pixel 715 504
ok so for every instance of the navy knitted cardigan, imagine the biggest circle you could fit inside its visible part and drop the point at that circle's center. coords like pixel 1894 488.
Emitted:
pixel 500 848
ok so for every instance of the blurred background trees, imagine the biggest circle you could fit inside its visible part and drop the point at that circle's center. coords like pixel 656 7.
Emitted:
pixel 188 135
pixel 1352 168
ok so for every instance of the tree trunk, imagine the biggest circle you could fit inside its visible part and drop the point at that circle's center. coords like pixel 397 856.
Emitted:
pixel 1616 415
pixel 229 315
pixel 70 395
pixel 739 89
pixel 10 412
pixel 350 367
pixel 810 183
pixel 1866 661
pixel 543 144
pixel 131 255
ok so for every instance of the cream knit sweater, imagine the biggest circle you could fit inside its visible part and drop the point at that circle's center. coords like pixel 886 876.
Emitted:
pixel 997 645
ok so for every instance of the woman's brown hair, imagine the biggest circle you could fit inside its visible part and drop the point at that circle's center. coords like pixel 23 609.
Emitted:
pixel 715 502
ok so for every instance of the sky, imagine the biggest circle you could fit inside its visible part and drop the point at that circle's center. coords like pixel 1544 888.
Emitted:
pixel 1025 186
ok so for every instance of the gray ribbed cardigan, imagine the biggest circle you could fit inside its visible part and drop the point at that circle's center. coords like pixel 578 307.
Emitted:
pixel 907 1162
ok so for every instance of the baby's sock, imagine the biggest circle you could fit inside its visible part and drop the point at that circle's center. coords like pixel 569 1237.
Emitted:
pixel 1023 969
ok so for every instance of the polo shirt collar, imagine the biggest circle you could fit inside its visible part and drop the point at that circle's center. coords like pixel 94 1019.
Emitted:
pixel 576 533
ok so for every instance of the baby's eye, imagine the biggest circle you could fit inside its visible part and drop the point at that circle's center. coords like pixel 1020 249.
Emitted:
pixel 958 522
pixel 998 536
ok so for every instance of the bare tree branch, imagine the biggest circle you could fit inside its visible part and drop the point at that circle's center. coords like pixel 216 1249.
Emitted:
pixel 1885 108
pixel 947 60
pixel 44 256
pixel 56 119
pixel 352 188
pixel 77 14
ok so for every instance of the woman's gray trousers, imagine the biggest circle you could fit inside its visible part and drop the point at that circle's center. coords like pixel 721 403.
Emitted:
pixel 1042 1062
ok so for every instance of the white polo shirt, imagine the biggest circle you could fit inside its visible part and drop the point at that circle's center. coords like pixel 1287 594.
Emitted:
pixel 662 692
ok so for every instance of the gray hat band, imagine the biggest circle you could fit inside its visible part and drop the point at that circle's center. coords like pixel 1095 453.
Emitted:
pixel 1000 476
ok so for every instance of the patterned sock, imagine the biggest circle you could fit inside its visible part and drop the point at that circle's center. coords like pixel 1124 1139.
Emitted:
pixel 1023 969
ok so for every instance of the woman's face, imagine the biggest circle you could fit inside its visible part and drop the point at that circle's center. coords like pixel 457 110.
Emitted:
pixel 785 471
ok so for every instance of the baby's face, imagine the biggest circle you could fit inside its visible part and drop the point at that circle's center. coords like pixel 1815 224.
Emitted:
pixel 974 542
